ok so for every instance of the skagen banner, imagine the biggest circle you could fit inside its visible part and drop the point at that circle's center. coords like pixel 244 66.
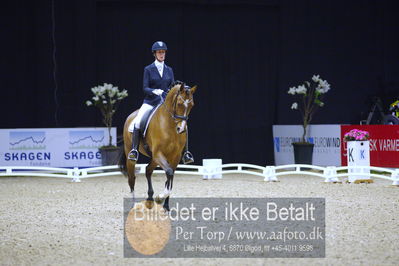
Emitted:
pixel 53 147
pixel 226 228
pixel 326 140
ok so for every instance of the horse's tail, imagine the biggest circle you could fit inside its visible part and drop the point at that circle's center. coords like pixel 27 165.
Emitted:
pixel 122 160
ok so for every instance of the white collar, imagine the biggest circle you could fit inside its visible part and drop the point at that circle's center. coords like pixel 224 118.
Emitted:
pixel 157 64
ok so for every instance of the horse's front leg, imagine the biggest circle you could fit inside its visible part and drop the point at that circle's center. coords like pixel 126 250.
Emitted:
pixel 148 173
pixel 168 187
pixel 168 191
pixel 166 204
pixel 168 184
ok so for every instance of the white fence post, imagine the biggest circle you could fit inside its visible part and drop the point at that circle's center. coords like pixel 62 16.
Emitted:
pixel 330 173
pixel 212 169
pixel 8 170
pixel 395 177
pixel 76 173
pixel 270 174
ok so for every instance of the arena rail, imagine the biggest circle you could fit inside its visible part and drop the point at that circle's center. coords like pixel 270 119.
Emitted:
pixel 76 174
pixel 38 171
pixel 330 174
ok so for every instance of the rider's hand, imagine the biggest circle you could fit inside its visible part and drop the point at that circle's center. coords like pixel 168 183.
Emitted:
pixel 157 92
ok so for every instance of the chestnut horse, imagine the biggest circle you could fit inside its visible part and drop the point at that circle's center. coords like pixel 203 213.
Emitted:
pixel 163 142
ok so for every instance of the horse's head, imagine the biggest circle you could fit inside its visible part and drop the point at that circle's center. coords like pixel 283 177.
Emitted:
pixel 180 100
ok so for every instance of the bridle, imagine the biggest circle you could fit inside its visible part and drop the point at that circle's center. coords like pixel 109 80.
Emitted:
pixel 173 114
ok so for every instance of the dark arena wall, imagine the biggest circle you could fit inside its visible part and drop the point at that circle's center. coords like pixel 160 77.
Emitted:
pixel 243 55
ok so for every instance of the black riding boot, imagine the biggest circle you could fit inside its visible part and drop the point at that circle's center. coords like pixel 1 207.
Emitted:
pixel 134 153
pixel 187 156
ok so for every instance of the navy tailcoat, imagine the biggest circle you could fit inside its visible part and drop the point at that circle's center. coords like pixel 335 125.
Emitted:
pixel 152 80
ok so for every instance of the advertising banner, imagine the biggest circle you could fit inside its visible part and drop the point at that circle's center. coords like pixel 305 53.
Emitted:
pixel 53 147
pixel 384 144
pixel 326 140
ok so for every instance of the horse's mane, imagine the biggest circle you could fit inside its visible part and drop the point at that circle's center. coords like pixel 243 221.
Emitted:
pixel 174 87
pixel 176 82
pixel 171 92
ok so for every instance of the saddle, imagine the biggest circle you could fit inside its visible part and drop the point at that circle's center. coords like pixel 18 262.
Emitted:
pixel 145 121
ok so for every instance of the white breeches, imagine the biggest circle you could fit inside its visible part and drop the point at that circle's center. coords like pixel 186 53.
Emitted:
pixel 136 121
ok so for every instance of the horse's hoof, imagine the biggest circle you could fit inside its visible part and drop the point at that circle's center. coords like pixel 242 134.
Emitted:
pixel 158 200
pixel 149 204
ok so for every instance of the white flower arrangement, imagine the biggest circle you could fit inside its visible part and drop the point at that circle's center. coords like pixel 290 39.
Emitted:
pixel 107 98
pixel 311 94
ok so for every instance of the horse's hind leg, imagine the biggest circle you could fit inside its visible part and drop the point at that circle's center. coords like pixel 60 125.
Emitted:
pixel 148 173
pixel 131 177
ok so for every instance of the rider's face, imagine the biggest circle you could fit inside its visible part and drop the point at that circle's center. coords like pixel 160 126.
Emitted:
pixel 160 55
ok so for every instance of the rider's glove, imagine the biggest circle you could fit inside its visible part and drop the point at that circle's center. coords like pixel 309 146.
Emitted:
pixel 157 92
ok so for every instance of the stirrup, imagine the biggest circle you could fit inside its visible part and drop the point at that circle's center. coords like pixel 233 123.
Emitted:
pixel 187 157
pixel 133 155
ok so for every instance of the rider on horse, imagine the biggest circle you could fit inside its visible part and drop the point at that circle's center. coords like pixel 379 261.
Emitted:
pixel 158 78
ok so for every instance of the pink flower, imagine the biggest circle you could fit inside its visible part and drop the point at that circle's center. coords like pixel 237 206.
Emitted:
pixel 357 135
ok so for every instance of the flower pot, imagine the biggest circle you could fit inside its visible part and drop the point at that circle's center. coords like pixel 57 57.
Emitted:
pixel 109 155
pixel 303 152
pixel 358 154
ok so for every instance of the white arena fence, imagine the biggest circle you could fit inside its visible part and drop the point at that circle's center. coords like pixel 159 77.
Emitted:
pixel 330 174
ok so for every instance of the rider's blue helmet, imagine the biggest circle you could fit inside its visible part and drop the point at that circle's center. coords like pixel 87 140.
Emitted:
pixel 159 45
